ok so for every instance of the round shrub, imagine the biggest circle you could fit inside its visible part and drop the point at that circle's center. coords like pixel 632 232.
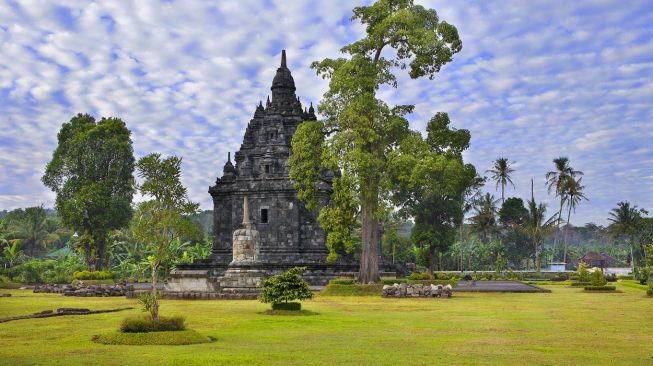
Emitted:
pixel 145 324
pixel 598 279
pixel 285 287
pixel 96 275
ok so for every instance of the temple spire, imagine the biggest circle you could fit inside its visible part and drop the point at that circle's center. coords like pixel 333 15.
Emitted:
pixel 283 59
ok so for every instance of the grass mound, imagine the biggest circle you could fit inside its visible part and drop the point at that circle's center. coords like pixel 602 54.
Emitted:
pixel 181 337
pixel 352 290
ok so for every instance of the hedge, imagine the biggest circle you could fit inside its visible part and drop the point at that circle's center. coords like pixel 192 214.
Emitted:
pixel 392 281
pixel 145 324
pixel 96 275
pixel 626 277
pixel 342 281
pixel 580 284
pixel 600 288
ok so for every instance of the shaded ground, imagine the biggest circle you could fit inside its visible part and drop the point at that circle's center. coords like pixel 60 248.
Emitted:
pixel 497 286
pixel 565 327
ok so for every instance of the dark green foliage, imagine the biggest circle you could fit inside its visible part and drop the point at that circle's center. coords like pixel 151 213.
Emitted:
pixel 342 281
pixel 286 287
pixel 95 275
pixel 182 337
pixel 145 324
pixel 598 279
pixel 512 212
pixel 649 292
pixel 288 306
pixel 583 273
pixel 600 288
pixel 37 271
pixel 91 172
pixel 625 277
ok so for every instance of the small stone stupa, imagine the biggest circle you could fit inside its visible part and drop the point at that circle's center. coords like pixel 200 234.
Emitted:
pixel 244 275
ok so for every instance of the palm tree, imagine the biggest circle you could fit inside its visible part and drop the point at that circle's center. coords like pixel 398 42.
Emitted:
pixel 34 228
pixel 625 221
pixel 556 181
pixel 574 196
pixel 485 222
pixel 501 174
pixel 535 226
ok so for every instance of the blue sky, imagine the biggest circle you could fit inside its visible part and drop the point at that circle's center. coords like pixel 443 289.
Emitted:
pixel 535 80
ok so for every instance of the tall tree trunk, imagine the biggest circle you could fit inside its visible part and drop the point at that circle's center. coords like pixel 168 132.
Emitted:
pixel 564 257
pixel 369 266
pixel 155 308
pixel 555 238
pixel 429 270
pixel 536 260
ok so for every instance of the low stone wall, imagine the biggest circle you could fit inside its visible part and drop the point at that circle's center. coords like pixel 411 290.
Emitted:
pixel 82 290
pixel 416 290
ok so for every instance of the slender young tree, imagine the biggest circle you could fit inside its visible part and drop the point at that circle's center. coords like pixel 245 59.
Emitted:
pixel 164 218
pixel 556 181
pixel 501 171
pixel 484 221
pixel 575 195
pixel 359 130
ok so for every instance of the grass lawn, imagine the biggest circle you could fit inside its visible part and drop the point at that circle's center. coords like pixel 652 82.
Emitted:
pixel 565 327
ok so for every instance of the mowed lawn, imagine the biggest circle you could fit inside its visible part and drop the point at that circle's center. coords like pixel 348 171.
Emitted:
pixel 565 327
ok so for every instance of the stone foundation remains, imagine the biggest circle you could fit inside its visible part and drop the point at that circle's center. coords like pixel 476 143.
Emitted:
pixel 417 290
pixel 82 290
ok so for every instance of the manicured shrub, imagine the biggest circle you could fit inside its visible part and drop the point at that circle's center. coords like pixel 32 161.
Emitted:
pixel 286 287
pixel 96 275
pixel 625 277
pixel 290 306
pixel 442 276
pixel 598 279
pixel 600 288
pixel 583 273
pixel 392 281
pixel 342 281
pixel 352 290
pixel 419 276
pixel 145 324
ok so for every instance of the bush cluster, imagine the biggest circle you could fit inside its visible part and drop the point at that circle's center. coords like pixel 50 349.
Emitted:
pixel 626 277
pixel 96 275
pixel 419 276
pixel 38 271
pixel 145 324
pixel 598 279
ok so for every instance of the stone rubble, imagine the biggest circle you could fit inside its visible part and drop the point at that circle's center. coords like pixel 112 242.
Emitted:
pixel 82 290
pixel 416 290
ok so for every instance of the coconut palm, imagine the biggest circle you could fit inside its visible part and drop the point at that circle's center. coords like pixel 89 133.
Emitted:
pixel 501 174
pixel 556 181
pixel 574 196
pixel 625 221
pixel 484 222
pixel 536 227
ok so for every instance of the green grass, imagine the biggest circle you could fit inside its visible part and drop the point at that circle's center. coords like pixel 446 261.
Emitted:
pixel 632 284
pixel 171 338
pixel 564 327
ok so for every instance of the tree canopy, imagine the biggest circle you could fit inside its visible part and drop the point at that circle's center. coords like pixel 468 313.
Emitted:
pixel 359 130
pixel 91 172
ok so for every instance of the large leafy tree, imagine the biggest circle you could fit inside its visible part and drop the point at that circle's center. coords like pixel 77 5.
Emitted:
pixel 34 228
pixel 359 130
pixel 91 172
pixel 501 171
pixel 431 181
pixel 575 195
pixel 165 217
pixel 557 181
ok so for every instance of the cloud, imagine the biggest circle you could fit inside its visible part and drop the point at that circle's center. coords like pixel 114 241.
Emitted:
pixel 535 80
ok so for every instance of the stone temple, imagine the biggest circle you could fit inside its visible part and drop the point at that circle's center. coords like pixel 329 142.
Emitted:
pixel 288 234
